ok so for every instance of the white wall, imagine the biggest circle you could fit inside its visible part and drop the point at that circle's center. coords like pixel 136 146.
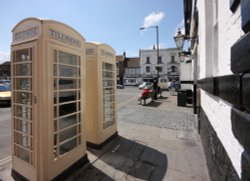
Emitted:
pixel 219 115
pixel 202 40
pixel 166 58
pixel 229 32
pixel 216 36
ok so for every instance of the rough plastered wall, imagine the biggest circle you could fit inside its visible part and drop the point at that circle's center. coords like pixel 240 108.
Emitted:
pixel 218 113
pixel 219 29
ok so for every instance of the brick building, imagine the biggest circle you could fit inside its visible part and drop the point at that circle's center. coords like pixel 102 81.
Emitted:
pixel 132 71
pixel 119 69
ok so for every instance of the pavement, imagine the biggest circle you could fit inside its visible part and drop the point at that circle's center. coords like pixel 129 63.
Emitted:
pixel 156 142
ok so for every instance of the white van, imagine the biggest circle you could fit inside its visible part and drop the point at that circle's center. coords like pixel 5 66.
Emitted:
pixel 163 83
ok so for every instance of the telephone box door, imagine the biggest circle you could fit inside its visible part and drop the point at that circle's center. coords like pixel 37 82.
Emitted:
pixel 23 107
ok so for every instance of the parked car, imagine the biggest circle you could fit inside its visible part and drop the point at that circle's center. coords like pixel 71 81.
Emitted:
pixel 4 81
pixel 119 86
pixel 5 94
pixel 148 85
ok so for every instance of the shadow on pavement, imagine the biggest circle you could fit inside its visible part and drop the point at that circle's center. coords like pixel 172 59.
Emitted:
pixel 134 159
pixel 153 104
pixel 93 173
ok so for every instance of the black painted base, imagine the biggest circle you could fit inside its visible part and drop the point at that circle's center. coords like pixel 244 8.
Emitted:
pixel 17 176
pixel 99 146
pixel 63 176
pixel 219 164
pixel 68 172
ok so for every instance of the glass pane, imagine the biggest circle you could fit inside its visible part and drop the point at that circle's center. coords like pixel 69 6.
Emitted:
pixel 109 98
pixel 68 84
pixel 67 71
pixel 55 139
pixel 107 91
pixel 79 72
pixel 23 112
pixel 22 84
pixel 107 74
pixel 67 96
pixel 55 98
pixel 67 109
pixel 55 70
pixel 66 147
pixel 55 84
pixel 108 116
pixel 23 69
pixel 55 112
pixel 22 154
pixel 23 126
pixel 67 134
pixel 108 124
pixel 107 66
pixel 55 125
pixel 67 58
pixel 23 140
pixel 22 55
pixel 23 98
pixel 68 121
pixel 79 129
pixel 107 83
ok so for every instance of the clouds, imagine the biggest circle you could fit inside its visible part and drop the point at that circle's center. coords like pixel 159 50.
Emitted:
pixel 153 19
pixel 4 56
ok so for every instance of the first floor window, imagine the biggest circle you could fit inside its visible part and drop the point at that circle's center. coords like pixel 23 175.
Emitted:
pixel 147 69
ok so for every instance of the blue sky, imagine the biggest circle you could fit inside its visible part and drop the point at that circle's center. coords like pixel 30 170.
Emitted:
pixel 114 22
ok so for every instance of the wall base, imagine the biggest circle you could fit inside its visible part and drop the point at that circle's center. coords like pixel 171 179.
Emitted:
pixel 218 161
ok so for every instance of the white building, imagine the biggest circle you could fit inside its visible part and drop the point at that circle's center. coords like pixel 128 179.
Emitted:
pixel 132 71
pixel 169 65
pixel 220 64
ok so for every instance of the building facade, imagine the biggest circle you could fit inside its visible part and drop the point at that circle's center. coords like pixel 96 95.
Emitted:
pixel 221 67
pixel 119 69
pixel 132 71
pixel 168 64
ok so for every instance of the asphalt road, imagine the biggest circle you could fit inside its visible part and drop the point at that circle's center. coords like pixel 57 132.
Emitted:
pixel 123 96
pixel 5 132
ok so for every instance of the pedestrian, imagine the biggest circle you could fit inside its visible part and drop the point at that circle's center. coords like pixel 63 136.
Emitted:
pixel 171 87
